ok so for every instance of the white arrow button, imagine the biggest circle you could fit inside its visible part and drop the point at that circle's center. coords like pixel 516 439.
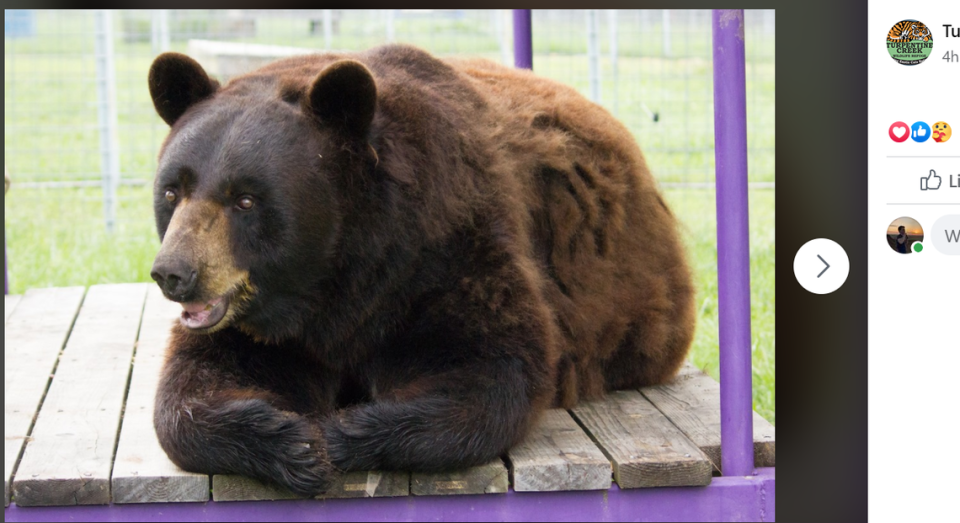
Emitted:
pixel 814 272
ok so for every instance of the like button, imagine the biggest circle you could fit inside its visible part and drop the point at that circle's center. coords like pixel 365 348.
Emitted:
pixel 931 182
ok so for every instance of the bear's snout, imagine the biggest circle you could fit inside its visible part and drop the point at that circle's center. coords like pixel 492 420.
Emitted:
pixel 176 278
pixel 196 268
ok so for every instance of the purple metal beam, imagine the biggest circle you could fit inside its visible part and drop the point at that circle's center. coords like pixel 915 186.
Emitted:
pixel 522 39
pixel 726 499
pixel 733 242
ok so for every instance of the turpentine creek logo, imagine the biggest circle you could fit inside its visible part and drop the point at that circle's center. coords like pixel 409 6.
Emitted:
pixel 909 42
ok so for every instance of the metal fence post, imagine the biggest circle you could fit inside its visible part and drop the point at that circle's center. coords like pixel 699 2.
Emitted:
pixel 733 243
pixel 160 31
pixel 593 53
pixel 503 38
pixel 522 39
pixel 391 30
pixel 327 29
pixel 666 33
pixel 107 114
pixel 614 56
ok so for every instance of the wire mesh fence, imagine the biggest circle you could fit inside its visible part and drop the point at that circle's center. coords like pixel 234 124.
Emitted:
pixel 81 136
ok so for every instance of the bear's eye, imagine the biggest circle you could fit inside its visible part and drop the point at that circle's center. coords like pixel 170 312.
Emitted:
pixel 170 195
pixel 245 203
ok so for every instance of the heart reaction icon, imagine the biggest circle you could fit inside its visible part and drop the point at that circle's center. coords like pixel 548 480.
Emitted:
pixel 899 132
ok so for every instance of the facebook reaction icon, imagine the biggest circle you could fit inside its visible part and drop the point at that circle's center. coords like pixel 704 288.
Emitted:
pixel 898 132
pixel 920 132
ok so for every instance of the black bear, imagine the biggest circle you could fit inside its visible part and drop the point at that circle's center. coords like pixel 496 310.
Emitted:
pixel 389 261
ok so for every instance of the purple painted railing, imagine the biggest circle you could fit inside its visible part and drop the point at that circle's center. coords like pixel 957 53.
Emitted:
pixel 733 243
pixel 726 499
pixel 522 39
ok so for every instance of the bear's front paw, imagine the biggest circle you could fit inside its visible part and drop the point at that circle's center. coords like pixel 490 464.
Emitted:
pixel 304 468
pixel 249 437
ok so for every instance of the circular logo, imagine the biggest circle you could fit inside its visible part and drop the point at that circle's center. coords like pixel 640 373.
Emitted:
pixel 920 132
pixel 909 42
pixel 941 132
pixel 899 132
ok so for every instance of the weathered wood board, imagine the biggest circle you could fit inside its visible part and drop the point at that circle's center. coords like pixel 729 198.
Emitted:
pixel 33 336
pixel 9 304
pixel 69 457
pixel 692 403
pixel 371 485
pixel 351 485
pixel 492 478
pixel 688 370
pixel 240 488
pixel 142 473
pixel 646 449
pixel 558 455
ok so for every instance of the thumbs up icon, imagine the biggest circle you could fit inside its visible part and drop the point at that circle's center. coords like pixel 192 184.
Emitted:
pixel 920 132
pixel 930 182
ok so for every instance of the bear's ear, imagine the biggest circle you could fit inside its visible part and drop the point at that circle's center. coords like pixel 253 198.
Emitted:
pixel 344 96
pixel 176 83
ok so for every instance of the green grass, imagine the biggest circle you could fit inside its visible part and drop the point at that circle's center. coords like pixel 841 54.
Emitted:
pixel 56 237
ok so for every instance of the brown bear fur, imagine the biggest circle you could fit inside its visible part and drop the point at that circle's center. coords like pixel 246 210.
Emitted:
pixel 439 251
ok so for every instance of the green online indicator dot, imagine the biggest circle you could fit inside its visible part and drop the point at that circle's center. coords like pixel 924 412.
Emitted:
pixel 917 247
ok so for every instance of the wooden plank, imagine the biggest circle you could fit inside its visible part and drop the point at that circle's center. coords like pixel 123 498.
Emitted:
pixel 558 455
pixel 492 478
pixel 241 488
pixel 692 403
pixel 9 303
pixel 142 472
pixel 371 485
pixel 645 448
pixel 69 457
pixel 33 335
pixel 351 485
pixel 688 370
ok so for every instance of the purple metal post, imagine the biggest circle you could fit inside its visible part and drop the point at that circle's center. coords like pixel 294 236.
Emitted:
pixel 522 39
pixel 733 243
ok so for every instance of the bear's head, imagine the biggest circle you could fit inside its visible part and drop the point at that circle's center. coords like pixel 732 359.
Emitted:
pixel 245 196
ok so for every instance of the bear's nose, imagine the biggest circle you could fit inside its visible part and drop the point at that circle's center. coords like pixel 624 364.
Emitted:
pixel 175 278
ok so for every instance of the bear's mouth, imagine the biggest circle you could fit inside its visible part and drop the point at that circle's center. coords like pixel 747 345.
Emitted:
pixel 203 316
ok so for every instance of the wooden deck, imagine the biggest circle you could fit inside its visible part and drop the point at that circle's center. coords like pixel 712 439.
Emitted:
pixel 81 366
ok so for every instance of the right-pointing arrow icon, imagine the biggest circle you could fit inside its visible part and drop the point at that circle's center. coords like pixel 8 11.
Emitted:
pixel 825 268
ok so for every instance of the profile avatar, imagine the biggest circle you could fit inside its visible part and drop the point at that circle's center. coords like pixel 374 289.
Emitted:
pixel 905 235
pixel 909 42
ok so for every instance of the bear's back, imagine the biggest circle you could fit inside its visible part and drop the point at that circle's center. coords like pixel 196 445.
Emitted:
pixel 607 244
pixel 469 137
